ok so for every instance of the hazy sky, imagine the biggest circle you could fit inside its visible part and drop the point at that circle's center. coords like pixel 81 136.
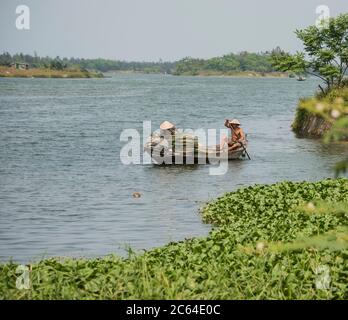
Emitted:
pixel 152 29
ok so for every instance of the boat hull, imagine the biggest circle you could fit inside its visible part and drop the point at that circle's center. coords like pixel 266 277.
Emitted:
pixel 200 157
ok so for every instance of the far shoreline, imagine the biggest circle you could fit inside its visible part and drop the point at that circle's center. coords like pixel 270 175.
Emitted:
pixel 237 74
pixel 242 74
pixel 43 73
pixel 46 73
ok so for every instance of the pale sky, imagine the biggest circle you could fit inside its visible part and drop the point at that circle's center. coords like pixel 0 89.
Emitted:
pixel 147 30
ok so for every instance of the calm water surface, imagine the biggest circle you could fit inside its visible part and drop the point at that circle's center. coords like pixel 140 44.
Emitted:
pixel 65 192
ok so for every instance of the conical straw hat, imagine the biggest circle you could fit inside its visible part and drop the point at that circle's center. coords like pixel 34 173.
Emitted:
pixel 166 125
pixel 234 121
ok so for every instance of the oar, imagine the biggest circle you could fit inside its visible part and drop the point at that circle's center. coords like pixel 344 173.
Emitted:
pixel 245 150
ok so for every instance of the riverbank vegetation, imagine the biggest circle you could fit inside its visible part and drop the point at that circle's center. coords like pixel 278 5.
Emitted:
pixel 325 56
pixel 10 72
pixel 325 116
pixel 282 241
pixel 242 64
pixel 98 65
pixel 316 115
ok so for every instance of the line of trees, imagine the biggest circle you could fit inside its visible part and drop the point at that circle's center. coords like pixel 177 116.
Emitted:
pixel 102 65
pixel 243 61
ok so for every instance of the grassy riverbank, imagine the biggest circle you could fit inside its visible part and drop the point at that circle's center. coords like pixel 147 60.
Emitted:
pixel 268 242
pixel 7 72
pixel 316 115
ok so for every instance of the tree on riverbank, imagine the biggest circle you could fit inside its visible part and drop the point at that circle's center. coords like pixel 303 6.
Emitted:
pixel 325 52
pixel 325 56
pixel 57 64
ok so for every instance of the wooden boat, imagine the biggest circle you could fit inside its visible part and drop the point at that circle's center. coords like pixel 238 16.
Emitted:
pixel 203 155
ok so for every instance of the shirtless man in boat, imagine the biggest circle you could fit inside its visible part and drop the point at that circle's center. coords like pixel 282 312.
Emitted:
pixel 237 135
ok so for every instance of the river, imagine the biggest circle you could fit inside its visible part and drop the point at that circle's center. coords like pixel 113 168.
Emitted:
pixel 65 192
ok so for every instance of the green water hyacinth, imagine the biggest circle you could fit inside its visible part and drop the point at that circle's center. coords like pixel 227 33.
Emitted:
pixel 263 245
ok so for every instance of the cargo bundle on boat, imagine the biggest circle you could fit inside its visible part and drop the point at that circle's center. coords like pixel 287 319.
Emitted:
pixel 184 148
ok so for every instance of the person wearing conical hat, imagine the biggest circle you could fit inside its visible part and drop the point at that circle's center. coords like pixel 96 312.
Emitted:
pixel 167 127
pixel 237 135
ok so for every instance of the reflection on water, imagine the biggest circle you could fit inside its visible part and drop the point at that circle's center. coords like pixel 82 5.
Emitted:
pixel 64 190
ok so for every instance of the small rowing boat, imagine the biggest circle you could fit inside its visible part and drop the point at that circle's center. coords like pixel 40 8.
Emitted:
pixel 162 155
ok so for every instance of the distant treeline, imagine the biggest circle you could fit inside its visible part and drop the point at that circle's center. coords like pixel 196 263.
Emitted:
pixel 102 65
pixel 244 61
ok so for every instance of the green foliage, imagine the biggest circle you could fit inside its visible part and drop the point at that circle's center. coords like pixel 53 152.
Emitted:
pixel 230 63
pixel 102 65
pixel 332 107
pixel 339 132
pixel 57 64
pixel 244 61
pixel 301 116
pixel 333 240
pixel 285 62
pixel 188 66
pixel 233 262
pixel 325 52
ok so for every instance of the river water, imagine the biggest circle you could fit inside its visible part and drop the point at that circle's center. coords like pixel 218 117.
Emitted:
pixel 65 192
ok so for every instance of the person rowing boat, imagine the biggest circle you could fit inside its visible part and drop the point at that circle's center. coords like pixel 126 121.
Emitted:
pixel 237 136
